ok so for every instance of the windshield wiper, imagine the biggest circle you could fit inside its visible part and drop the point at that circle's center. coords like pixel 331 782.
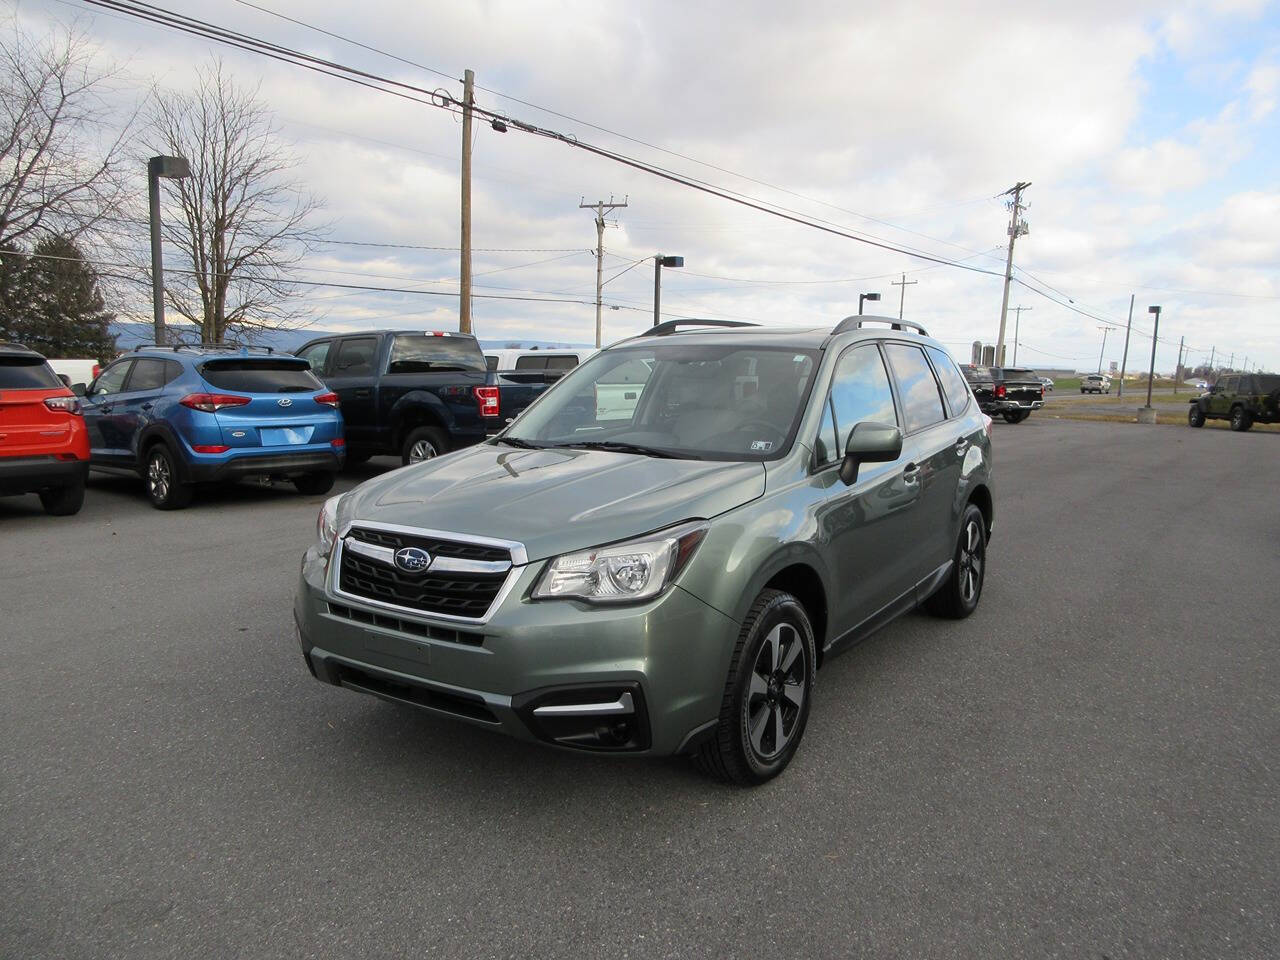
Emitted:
pixel 621 446
pixel 517 442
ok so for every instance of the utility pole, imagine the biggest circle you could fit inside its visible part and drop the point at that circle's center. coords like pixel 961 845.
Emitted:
pixel 1212 351
pixel 1017 322
pixel 464 294
pixel 600 208
pixel 902 297
pixel 1124 363
pixel 1105 331
pixel 1182 342
pixel 1017 228
pixel 1231 362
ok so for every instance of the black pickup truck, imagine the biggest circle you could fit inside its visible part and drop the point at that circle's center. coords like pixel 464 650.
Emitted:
pixel 415 394
pixel 1007 391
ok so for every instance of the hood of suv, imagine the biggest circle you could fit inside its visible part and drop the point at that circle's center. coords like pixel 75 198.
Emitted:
pixel 554 501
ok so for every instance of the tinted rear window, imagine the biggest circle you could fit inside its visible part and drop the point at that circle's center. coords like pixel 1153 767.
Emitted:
pixel 27 373
pixel 1267 382
pixel 418 353
pixel 260 376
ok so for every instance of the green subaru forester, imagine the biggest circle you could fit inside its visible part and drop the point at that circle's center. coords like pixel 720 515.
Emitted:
pixel 656 557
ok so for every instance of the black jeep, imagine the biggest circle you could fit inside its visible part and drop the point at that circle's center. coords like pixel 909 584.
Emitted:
pixel 1242 398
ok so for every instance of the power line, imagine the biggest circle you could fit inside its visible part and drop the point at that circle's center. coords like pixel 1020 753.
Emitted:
pixel 443 100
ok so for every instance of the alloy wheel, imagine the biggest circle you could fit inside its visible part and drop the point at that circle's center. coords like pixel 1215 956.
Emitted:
pixel 971 560
pixel 422 450
pixel 775 697
pixel 158 477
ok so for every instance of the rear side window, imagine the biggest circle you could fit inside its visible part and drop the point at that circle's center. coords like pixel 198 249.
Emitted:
pixel 562 362
pixel 27 373
pixel 152 374
pixel 354 358
pixel 420 353
pixel 921 401
pixel 531 363
pixel 954 385
pixel 252 375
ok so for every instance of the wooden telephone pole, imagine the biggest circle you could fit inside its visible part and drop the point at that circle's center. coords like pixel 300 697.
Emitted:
pixel 1017 227
pixel 902 296
pixel 464 294
pixel 600 207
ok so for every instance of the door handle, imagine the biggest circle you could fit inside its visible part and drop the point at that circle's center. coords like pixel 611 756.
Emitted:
pixel 105 408
pixel 961 445
pixel 911 473
pixel 147 406
pixel 364 392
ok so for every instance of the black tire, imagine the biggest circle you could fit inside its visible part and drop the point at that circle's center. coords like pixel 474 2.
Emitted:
pixel 1082 391
pixel 761 724
pixel 313 484
pixel 1195 416
pixel 962 590
pixel 423 443
pixel 63 501
pixel 160 476
pixel 1241 419
pixel 355 459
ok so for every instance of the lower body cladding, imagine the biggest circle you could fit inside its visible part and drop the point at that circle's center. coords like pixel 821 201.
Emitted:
pixel 640 679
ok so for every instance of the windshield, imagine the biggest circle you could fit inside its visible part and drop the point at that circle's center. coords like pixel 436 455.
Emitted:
pixel 712 402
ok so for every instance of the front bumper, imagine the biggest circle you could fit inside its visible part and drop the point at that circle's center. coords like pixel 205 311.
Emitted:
pixel 249 465
pixel 642 679
pixel 30 474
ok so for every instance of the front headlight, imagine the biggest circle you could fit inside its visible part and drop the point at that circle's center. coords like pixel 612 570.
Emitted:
pixel 327 525
pixel 621 572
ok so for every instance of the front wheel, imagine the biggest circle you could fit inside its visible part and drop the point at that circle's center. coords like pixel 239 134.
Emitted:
pixel 424 443
pixel 1241 419
pixel 163 488
pixel 1195 416
pixel 766 697
pixel 960 592
pixel 313 484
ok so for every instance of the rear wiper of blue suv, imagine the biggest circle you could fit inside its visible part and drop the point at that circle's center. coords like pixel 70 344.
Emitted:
pixel 621 446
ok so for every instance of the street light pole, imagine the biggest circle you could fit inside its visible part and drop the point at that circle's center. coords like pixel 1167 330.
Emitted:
pixel 1155 339
pixel 173 168
pixel 873 297
pixel 658 263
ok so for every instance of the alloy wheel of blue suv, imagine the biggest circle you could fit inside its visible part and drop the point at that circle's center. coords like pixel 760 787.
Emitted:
pixel 177 416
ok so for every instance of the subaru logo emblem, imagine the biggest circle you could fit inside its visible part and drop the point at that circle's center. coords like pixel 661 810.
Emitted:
pixel 412 559
pixel 285 402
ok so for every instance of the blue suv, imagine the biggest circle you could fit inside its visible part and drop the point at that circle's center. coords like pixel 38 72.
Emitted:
pixel 177 416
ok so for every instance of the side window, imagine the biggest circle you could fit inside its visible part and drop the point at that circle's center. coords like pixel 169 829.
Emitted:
pixel 531 363
pixel 921 400
pixel 563 362
pixel 859 392
pixel 824 445
pixel 953 384
pixel 316 354
pixel 112 379
pixel 354 358
pixel 147 375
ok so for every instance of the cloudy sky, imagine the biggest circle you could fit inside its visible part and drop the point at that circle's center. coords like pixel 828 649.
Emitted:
pixel 1149 133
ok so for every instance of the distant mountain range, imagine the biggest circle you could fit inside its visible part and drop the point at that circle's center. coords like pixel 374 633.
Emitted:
pixel 129 334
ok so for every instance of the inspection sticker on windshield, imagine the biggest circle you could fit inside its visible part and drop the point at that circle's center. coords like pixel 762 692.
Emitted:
pixel 761 446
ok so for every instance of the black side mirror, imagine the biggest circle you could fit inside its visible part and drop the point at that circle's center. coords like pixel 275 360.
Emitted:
pixel 869 443
pixel 78 389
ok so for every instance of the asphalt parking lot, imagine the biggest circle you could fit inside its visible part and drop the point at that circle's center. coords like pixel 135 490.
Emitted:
pixel 1088 767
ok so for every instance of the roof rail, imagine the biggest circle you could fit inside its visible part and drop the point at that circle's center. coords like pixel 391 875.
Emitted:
pixel 175 347
pixel 670 326
pixel 857 322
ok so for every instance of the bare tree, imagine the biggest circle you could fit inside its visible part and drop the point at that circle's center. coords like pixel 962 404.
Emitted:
pixel 240 220
pixel 60 157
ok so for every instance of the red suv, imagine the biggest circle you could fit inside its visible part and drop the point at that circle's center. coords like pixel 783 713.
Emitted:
pixel 44 447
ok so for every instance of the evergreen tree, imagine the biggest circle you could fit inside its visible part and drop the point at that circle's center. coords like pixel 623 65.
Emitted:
pixel 15 294
pixel 64 314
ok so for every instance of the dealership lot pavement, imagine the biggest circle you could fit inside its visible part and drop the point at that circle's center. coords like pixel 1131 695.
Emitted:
pixel 1088 767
